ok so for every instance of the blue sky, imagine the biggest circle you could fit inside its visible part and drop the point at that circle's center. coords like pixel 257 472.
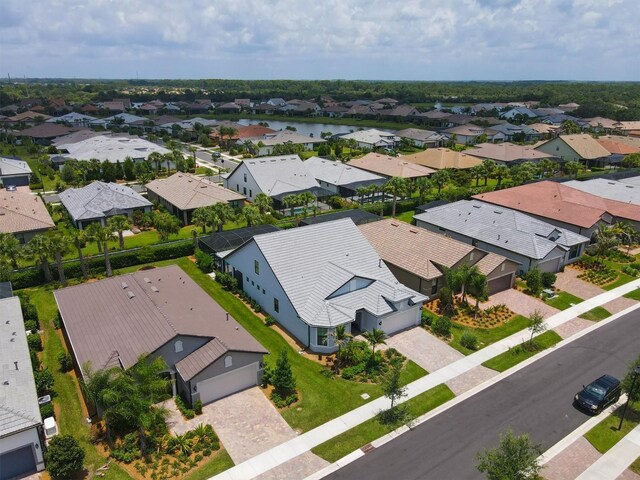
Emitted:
pixel 322 39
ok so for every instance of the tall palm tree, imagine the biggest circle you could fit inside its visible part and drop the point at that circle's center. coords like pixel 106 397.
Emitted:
pixel 606 240
pixel 341 338
pixel 291 201
pixel 397 187
pixel 59 243
pixel 221 213
pixel 480 290
pixel 375 337
pixel 104 235
pixel 464 274
pixel 264 203
pixel 119 223
pixel 500 173
pixel 79 238
pixel 39 248
pixel 251 215
pixel 423 185
pixel 488 167
pixel 10 248
pixel 476 172
pixel 626 233
pixel 305 199
pixel 440 178
pixel 200 218
pixel 155 157
pixel 91 231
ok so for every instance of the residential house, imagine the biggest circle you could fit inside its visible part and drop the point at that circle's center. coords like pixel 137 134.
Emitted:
pixel 617 150
pixel 520 133
pixel 335 111
pixel 229 107
pixel 530 242
pixel 441 158
pixel 508 153
pixel 340 178
pixel 418 257
pixel 398 112
pixel 544 130
pixel 266 108
pixel 243 133
pixel 182 193
pixel 519 112
pixel 422 138
pixel 620 191
pixel 29 118
pixel 277 102
pixel 577 147
pixel 361 111
pixel 21 434
pixel 373 138
pixel 357 216
pixel 22 214
pixel 266 143
pixel 114 106
pixel 162 313
pixel 109 148
pixel 243 102
pixel 276 177
pixel 98 201
pixel 315 278
pixel 388 167
pixel 471 134
pixel 14 171
pixel 435 118
pixel 74 119
pixel 600 124
pixel 564 206
pixel 46 133
pixel 628 127
pixel 568 107
pixel 626 140
pixel 120 119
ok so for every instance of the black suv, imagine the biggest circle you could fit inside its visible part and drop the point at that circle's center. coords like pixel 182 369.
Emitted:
pixel 599 394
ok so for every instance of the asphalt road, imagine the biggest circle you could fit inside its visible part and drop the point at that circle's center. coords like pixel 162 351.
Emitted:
pixel 536 400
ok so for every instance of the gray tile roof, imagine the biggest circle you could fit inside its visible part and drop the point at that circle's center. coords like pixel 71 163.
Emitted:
pixel 117 319
pixel 12 166
pixel 622 191
pixel 111 148
pixel 502 227
pixel 100 200
pixel 311 263
pixel 340 174
pixel 18 398
pixel 194 363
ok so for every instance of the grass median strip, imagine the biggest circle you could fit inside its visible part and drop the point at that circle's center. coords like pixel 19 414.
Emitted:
pixel 345 443
pixel 606 434
pixel 486 336
pixel 596 314
pixel 634 295
pixel 517 354
pixel 563 300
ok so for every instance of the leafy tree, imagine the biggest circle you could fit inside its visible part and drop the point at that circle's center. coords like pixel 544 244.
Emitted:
pixel 119 223
pixel 476 172
pixel 516 458
pixel 251 215
pixel 523 173
pixel 536 325
pixel 39 247
pixel 605 240
pixel 375 337
pixel 166 224
pixel 547 167
pixel 534 281
pixel 283 380
pixel 129 169
pixel 10 248
pixel 624 232
pixel 628 380
pixel 118 170
pixel 569 127
pixel 397 187
pixel 68 173
pixel 631 161
pixel 108 171
pixel 219 214
pixel 391 386
pixel 423 185
pixel 572 168
pixel 64 457
pixel 44 381
pixel 263 202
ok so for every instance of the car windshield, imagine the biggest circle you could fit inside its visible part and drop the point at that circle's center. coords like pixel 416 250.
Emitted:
pixel 595 390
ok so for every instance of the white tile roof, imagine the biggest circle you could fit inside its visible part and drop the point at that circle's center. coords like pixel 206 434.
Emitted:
pixel 371 136
pixel 12 166
pixel 338 173
pixel 280 174
pixel 112 149
pixel 100 199
pixel 623 191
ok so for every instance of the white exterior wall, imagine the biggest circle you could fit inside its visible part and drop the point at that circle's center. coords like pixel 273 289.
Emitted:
pixel 22 439
pixel 236 183
pixel 560 149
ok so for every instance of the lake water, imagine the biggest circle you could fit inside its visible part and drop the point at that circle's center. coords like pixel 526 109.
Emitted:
pixel 304 128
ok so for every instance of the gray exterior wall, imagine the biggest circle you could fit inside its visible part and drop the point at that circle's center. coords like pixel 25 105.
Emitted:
pixel 17 180
pixel 189 345
pixel 236 183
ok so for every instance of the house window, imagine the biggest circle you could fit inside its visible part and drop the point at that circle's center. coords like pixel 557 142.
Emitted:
pixel 244 190
pixel 441 229
pixel 258 287
pixel 237 187
pixel 434 287
pixel 250 193
pixel 323 336
pixel 276 305
pixel 228 361
pixel 252 283
pixel 474 242
pixel 245 178
pixel 263 292
pixel 178 346
pixel 471 256
pixel 256 267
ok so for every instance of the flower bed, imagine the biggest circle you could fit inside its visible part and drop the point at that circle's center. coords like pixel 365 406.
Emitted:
pixel 465 315
pixel 597 273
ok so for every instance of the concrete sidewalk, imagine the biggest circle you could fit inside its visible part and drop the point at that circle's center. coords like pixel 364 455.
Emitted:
pixel 613 463
pixel 286 451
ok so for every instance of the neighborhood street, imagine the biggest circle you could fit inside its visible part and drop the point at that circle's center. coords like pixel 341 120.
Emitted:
pixel 536 400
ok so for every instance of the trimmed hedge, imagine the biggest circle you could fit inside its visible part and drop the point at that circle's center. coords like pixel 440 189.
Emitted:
pixel 34 277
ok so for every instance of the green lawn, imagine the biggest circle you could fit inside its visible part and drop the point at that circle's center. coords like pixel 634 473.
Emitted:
pixel 486 336
pixel 220 462
pixel 605 435
pixel 596 314
pixel 372 429
pixel 508 359
pixel 405 216
pixel 563 300
pixel 622 279
pixel 634 295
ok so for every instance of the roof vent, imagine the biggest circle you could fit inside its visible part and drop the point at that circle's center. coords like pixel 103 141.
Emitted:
pixel 124 285
pixel 154 288
pixel 130 294
pixel 147 280
pixel 6 382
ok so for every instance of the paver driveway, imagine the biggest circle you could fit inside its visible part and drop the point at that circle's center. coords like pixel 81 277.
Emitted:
pixel 520 303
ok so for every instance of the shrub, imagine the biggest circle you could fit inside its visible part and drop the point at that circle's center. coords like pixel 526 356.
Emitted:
pixel 35 342
pixel 469 340
pixel 47 410
pixel 57 321
pixel 442 326
pixel 269 321
pixel 204 261
pixel 30 325
pixel 128 449
pixel 64 457
pixel 227 281
pixel 35 361
pixel 206 452
pixel 548 279
pixel 44 381
pixel 350 373
pixel 184 409
pixel 282 379
pixel 197 407
pixel 427 317
pixel 66 362
pixel 534 281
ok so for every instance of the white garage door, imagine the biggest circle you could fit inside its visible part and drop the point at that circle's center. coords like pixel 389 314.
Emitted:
pixel 228 383
pixel 400 321
pixel 552 265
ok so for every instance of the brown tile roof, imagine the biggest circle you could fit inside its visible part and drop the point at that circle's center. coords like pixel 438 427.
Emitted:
pixel 251 131
pixel 47 130
pixel 558 202
pixel 187 191
pixel 439 158
pixel 123 317
pixel 617 148
pixel 414 249
pixel 490 262
pixel 543 128
pixel 585 145
pixel 30 115
pixel 20 211
pixel 507 152
pixel 627 140
pixel 388 166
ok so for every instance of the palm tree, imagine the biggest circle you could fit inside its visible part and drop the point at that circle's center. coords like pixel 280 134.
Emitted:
pixel 572 168
pixel 103 236
pixel 291 201
pixel 220 214
pixel 251 215
pixel 79 238
pixel 39 248
pixel 10 248
pixel 465 273
pixel 155 157
pixel 605 241
pixel 264 203
pixel 166 224
pixel 625 233
pixel 476 172
pixel 423 185
pixel 375 337
pixel 200 218
pixel 341 337
pixel 479 289
pixel 500 173
pixel 59 242
pixel 305 198
pixel 119 223
pixel 91 232
pixel 397 187
pixel 440 178
pixel 488 167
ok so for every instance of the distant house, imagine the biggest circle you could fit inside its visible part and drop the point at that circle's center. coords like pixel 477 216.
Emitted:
pixel 622 191
pixel 109 148
pixel 601 124
pixel 530 242
pixel 618 150
pixel 229 108
pixel 418 257
pixel 99 201
pixel 314 278
pixel 422 138
pixel 14 171
pixel 266 143
pixel 163 313
pixel 22 214
pixel 29 117
pixel 508 153
pixel 388 167
pixel 182 193
pixel 373 138
pixel 21 434
pixel 114 106
pixel 120 119
pixel 521 133
pixel 74 119
pixel 278 102
pixel 266 108
pixel 45 133
pixel 441 158
pixel 577 147
pixel 335 111
pixel 398 112
pixel 518 112
pixel 276 177
pixel 339 178
pixel 357 216
pixel 568 107
pixel 471 134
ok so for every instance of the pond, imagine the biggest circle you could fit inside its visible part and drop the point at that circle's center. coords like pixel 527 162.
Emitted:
pixel 304 128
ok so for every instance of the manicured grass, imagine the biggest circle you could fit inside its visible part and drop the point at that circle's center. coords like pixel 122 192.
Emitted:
pixel 605 435
pixel 406 216
pixel 219 463
pixel 508 359
pixel 635 466
pixel 322 398
pixel 622 279
pixel 563 300
pixel 486 336
pixel 596 314
pixel 634 295
pixel 70 418
pixel 347 442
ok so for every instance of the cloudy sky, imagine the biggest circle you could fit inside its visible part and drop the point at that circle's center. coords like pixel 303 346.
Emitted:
pixel 322 39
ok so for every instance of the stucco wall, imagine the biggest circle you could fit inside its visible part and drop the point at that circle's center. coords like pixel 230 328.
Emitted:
pixel 22 439
pixel 236 183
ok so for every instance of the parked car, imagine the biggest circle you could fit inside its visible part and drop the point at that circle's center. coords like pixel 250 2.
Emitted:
pixel 599 394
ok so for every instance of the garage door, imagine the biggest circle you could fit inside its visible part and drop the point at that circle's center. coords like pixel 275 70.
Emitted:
pixel 400 321
pixel 552 265
pixel 228 383
pixel 499 284
pixel 17 462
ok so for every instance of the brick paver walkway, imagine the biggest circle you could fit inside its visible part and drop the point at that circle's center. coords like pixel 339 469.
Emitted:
pixel 572 327
pixel 470 379
pixel 571 462
pixel 520 303
pixel 425 349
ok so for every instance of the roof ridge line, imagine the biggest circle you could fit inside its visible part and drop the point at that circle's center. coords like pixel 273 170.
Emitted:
pixel 158 307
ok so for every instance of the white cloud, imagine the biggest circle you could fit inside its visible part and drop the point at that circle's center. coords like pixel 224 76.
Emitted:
pixel 413 39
